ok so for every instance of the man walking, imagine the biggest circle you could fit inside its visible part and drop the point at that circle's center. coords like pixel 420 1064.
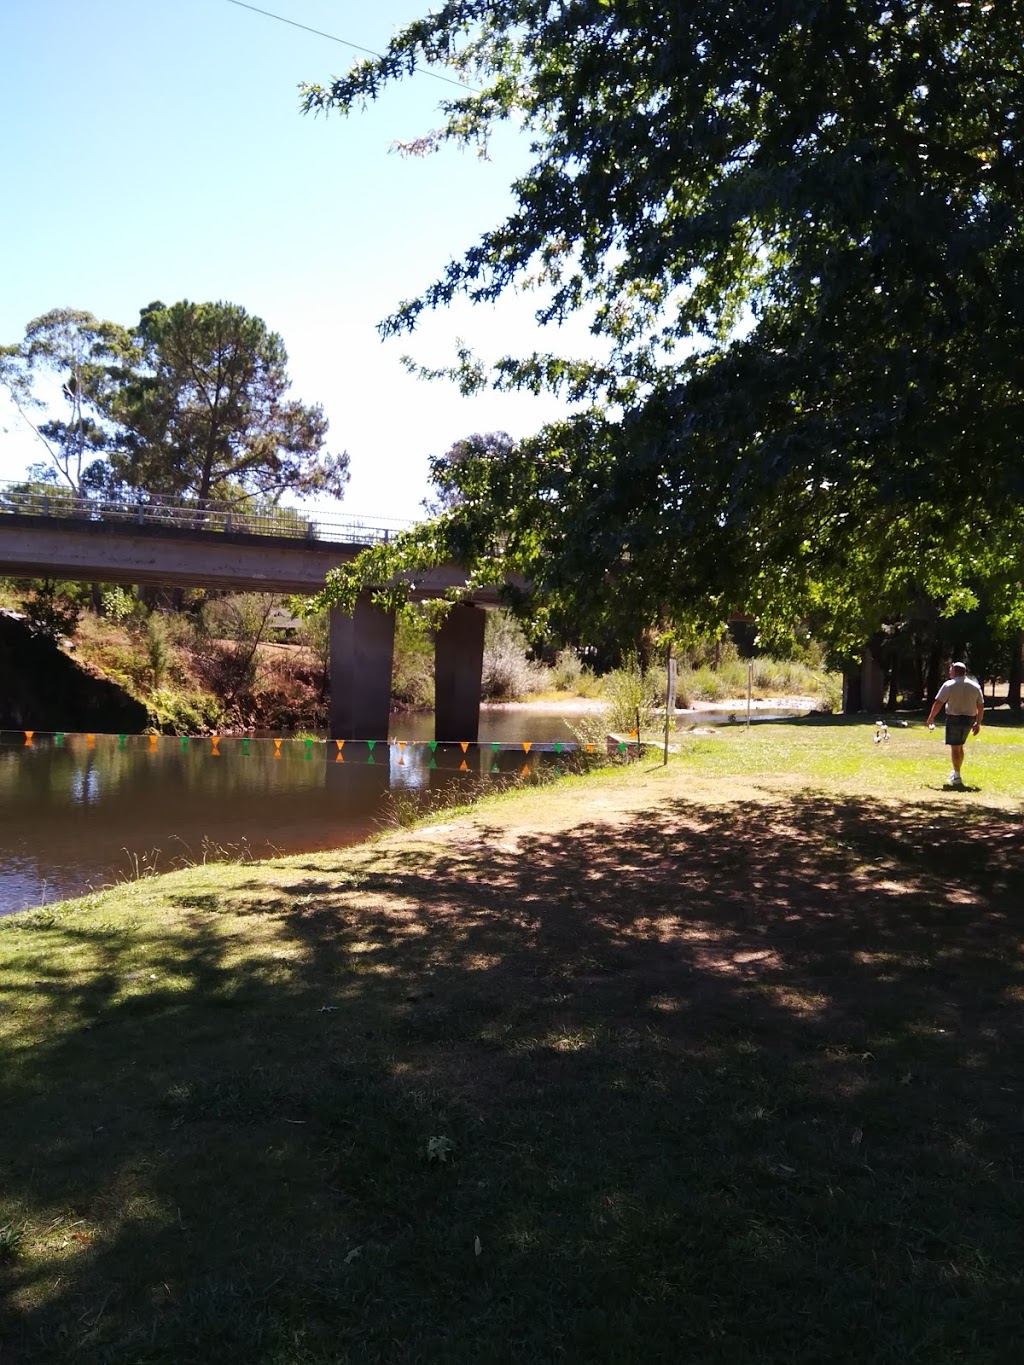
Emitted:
pixel 965 710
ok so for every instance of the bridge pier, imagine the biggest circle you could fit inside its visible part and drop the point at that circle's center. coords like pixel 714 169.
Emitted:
pixel 361 653
pixel 362 647
pixel 458 666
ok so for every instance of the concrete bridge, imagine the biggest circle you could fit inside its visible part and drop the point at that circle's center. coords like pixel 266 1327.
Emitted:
pixel 152 541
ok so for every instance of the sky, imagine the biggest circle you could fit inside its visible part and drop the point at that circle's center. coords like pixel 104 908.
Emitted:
pixel 157 151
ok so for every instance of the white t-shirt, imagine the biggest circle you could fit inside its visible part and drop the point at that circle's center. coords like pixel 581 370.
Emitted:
pixel 961 696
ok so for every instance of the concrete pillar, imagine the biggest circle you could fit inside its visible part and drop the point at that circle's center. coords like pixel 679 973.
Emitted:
pixel 458 667
pixel 362 648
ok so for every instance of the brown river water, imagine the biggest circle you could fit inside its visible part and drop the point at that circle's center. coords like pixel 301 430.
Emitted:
pixel 78 812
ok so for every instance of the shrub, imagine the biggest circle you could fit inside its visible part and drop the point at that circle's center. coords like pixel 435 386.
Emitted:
pixel 412 670
pixel 507 672
pixel 184 713
pixel 567 670
pixel 632 694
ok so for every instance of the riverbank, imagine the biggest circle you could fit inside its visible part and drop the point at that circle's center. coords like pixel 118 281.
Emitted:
pixel 721 1057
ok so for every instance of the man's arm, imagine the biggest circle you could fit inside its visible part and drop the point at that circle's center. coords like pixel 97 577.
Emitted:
pixel 980 715
pixel 936 708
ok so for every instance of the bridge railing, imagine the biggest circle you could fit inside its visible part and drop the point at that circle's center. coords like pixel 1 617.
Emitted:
pixel 146 509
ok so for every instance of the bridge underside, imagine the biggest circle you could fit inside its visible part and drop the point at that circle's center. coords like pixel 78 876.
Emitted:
pixel 361 645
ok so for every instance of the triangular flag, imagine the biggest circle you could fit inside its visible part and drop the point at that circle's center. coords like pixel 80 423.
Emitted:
pixel 526 770
pixel 622 747
pixel 463 745
pixel 433 762
pixel 590 748
pixel 463 768
pixel 558 748
pixel 184 743
pixel 527 743
pixel 401 744
pixel 495 746
pixel 340 743
pixel 370 758
pixel 339 757
pixel 433 745
pixel 494 768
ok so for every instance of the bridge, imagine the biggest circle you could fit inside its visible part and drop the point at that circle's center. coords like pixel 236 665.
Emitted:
pixel 51 533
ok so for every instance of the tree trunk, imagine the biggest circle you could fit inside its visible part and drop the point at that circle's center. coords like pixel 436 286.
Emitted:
pixel 1016 670
pixel 851 691
pixel 934 681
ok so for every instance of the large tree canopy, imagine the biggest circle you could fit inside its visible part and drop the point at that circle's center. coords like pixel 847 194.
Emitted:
pixel 796 228
pixel 204 412
pixel 191 403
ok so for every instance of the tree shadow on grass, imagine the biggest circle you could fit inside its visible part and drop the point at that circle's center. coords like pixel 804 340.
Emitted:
pixel 730 1084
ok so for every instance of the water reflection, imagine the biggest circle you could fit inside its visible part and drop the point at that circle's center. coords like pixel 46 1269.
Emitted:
pixel 80 811
pixel 86 811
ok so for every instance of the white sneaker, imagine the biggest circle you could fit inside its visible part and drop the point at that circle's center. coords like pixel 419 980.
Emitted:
pixel 955 780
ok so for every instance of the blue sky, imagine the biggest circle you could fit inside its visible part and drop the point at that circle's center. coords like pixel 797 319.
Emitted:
pixel 157 151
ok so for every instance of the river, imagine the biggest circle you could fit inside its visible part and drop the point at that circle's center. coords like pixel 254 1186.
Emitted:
pixel 79 812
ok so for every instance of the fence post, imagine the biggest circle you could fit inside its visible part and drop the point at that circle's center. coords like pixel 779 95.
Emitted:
pixel 310 532
pixel 140 514
pixel 227 523
pixel 46 504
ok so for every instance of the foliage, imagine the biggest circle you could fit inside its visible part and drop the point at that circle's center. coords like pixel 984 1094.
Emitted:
pixel 191 403
pixel 157 651
pixel 412 672
pixel 179 711
pixel 204 413
pixel 795 232
pixel 80 353
pixel 235 626
pixel 119 604
pixel 53 608
pixel 632 693
pixel 507 672
pixel 495 444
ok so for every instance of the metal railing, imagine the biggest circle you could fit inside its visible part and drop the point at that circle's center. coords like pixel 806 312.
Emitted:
pixel 147 509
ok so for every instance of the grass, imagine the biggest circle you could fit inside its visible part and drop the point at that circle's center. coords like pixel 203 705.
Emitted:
pixel 719 1062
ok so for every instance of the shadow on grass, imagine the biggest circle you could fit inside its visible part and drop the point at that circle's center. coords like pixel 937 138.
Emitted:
pixel 732 1084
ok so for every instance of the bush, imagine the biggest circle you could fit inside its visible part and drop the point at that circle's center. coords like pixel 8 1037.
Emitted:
pixel 567 670
pixel 184 713
pixel 632 694
pixel 508 674
pixel 53 608
pixel 412 670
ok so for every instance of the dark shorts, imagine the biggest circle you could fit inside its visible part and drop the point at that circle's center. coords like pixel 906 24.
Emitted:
pixel 958 728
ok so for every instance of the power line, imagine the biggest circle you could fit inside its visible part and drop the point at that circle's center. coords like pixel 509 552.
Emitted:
pixel 345 43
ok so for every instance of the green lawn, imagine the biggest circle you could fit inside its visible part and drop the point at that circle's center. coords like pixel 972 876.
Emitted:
pixel 714 1063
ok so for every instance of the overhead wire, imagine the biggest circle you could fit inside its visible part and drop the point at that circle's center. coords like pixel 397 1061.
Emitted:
pixel 422 70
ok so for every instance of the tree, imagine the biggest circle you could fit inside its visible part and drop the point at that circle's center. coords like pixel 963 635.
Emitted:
pixel 497 444
pixel 796 230
pixel 204 414
pixel 74 350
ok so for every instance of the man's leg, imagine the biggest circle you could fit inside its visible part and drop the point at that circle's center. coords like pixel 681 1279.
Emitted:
pixel 956 752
